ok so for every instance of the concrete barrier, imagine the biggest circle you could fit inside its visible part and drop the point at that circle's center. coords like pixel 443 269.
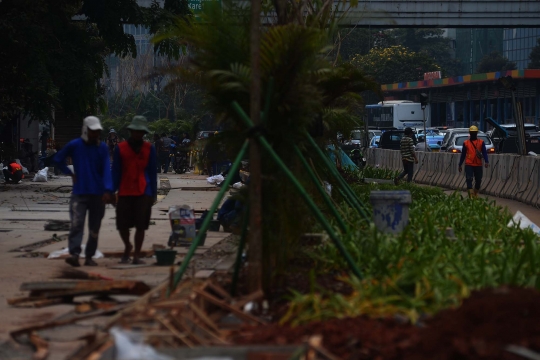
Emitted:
pixel 509 175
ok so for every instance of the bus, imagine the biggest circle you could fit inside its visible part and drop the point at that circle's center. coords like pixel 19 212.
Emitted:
pixel 397 114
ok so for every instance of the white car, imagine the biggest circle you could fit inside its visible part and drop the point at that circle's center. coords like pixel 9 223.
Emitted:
pixel 456 144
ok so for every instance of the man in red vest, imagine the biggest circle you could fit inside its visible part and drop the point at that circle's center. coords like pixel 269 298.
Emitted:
pixel 13 172
pixel 473 152
pixel 135 179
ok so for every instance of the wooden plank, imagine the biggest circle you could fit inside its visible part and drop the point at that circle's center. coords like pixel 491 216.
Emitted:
pixel 182 337
pixel 33 302
pixel 51 324
pixel 86 285
pixel 220 291
pixel 202 315
pixel 204 274
pixel 228 307
pixel 189 329
pixel 42 347
pixel 209 333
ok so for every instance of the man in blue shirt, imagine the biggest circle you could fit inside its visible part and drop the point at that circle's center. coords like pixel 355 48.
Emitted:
pixel 92 187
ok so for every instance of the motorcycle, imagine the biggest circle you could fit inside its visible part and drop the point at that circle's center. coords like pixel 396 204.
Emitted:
pixel 357 158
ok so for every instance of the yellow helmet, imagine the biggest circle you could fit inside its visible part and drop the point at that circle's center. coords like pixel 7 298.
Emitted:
pixel 473 129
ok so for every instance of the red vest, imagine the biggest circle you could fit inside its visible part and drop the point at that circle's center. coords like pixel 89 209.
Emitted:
pixel 133 182
pixel 15 167
pixel 472 146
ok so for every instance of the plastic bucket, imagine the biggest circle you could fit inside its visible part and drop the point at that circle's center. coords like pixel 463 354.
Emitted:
pixel 390 210
pixel 165 256
pixel 214 225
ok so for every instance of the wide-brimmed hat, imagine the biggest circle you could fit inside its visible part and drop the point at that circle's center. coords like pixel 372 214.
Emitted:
pixel 112 131
pixel 139 122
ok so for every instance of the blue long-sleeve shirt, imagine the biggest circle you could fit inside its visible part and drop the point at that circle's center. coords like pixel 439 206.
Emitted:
pixel 150 172
pixel 91 164
pixel 464 154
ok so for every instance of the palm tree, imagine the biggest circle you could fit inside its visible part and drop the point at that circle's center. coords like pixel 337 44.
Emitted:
pixel 305 86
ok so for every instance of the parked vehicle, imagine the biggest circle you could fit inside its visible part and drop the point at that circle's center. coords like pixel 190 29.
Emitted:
pixel 504 137
pixel 448 137
pixel 205 134
pixel 374 143
pixel 398 114
pixel 456 146
pixel 391 139
pixel 434 142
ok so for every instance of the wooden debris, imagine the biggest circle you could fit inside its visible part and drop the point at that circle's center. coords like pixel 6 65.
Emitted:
pixel 42 347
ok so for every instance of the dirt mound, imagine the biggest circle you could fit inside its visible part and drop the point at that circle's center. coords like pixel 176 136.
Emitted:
pixel 481 328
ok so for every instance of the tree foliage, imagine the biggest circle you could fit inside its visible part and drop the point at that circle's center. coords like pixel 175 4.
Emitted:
pixel 495 62
pixel 52 52
pixel 534 56
pixel 301 84
pixel 395 64
pixel 429 41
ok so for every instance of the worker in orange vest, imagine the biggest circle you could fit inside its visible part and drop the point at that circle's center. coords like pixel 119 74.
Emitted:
pixel 135 178
pixel 13 173
pixel 473 152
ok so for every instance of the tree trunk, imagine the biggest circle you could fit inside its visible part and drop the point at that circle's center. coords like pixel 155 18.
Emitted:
pixel 255 193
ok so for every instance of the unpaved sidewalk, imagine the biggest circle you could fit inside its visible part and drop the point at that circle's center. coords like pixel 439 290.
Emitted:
pixel 24 210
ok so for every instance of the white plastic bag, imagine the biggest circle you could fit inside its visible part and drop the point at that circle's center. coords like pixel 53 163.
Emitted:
pixel 41 175
pixel 129 346
pixel 238 185
pixel 524 222
pixel 215 180
pixel 65 251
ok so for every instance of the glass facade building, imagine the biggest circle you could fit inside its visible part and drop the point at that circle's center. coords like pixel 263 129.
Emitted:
pixel 518 43
pixel 473 44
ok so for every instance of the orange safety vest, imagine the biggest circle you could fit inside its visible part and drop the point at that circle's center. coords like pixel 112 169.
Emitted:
pixel 15 167
pixel 133 182
pixel 471 159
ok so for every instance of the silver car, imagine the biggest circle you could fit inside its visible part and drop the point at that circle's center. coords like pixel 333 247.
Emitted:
pixel 456 143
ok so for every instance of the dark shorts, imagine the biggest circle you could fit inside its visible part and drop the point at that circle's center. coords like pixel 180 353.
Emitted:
pixel 133 211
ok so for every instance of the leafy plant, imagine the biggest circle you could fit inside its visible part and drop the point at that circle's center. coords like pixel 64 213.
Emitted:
pixel 422 271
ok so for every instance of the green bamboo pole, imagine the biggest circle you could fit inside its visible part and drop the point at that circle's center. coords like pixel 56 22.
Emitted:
pixel 238 262
pixel 333 171
pixel 318 214
pixel 206 222
pixel 319 187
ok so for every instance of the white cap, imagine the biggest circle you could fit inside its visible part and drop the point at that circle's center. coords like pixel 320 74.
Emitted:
pixel 92 123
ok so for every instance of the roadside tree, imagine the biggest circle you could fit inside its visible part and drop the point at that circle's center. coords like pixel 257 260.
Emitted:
pixel 495 62
pixel 394 64
pixel 534 56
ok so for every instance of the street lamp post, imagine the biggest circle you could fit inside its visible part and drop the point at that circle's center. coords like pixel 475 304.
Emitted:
pixel 424 100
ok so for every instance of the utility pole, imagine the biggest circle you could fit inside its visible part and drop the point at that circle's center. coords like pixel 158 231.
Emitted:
pixel 508 83
pixel 255 178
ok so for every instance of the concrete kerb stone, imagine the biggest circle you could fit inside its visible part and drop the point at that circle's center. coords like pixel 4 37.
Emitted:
pixel 418 168
pixel 526 178
pixel 422 168
pixel 520 178
pixel 510 180
pixel 502 174
pixel 436 168
pixel 447 173
pixel 444 163
pixel 515 180
pixel 531 195
pixel 493 171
